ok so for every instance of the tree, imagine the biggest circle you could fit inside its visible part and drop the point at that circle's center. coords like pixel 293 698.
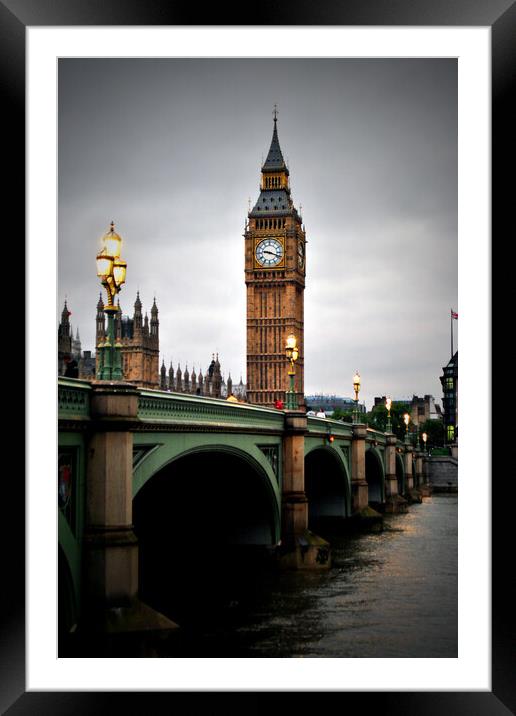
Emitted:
pixel 377 418
pixel 345 415
pixel 435 431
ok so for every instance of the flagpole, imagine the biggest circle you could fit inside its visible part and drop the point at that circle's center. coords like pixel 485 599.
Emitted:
pixel 451 331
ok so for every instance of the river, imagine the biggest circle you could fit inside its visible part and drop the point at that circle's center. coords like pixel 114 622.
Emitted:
pixel 388 594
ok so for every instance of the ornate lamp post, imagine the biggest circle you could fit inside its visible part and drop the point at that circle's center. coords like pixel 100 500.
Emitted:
pixel 292 354
pixel 111 270
pixel 406 420
pixel 356 388
pixel 388 403
pixel 425 467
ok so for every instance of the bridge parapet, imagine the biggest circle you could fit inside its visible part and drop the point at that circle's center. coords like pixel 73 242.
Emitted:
pixel 177 410
pixel 334 427
pixel 74 398
pixel 376 437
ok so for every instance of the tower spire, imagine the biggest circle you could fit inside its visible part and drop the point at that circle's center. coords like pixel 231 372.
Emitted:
pixel 275 161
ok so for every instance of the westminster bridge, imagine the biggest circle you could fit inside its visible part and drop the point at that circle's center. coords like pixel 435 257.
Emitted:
pixel 145 474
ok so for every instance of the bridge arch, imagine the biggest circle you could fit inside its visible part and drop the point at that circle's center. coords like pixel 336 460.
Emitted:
pixel 375 476
pixel 196 518
pixel 327 485
pixel 400 474
pixel 162 450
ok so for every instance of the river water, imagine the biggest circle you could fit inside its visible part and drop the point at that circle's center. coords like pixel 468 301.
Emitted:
pixel 389 594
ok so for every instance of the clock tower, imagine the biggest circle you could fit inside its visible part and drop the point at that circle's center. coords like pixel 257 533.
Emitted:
pixel 275 279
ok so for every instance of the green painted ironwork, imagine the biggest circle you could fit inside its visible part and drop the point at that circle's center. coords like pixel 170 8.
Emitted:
pixel 110 365
pixel 290 395
pixel 73 399
pixel 337 428
pixel 70 535
pixel 189 410
pixel 375 436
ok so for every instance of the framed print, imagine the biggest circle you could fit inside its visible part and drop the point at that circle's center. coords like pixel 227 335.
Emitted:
pixel 36 45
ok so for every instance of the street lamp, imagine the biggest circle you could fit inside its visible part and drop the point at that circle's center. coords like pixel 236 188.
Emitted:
pixel 111 270
pixel 292 353
pixel 356 388
pixel 425 438
pixel 406 420
pixel 388 403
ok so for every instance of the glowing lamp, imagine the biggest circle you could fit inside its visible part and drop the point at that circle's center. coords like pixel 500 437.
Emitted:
pixel 119 270
pixel 291 347
pixel 112 242
pixel 104 266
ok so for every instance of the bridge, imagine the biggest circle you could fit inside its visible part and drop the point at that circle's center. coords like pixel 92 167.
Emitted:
pixel 142 473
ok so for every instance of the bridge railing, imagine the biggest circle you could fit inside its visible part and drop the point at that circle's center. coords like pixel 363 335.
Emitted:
pixel 156 406
pixel 375 436
pixel 179 409
pixel 73 399
pixel 328 426
pixel 345 430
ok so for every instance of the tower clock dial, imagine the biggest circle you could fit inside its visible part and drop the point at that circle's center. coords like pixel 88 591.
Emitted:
pixel 269 253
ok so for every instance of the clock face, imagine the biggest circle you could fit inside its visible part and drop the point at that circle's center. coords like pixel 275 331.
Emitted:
pixel 269 253
pixel 301 255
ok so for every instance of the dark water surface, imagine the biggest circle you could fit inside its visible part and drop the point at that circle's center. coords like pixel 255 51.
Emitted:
pixel 391 594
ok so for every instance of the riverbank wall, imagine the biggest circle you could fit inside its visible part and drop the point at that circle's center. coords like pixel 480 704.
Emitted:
pixel 442 473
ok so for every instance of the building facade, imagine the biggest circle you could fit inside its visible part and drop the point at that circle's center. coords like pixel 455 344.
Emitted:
pixel 67 344
pixel 275 264
pixel 423 409
pixel 419 409
pixel 212 384
pixel 139 340
pixel 449 381
pixel 64 339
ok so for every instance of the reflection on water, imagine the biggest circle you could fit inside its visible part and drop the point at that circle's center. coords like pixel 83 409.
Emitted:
pixel 391 594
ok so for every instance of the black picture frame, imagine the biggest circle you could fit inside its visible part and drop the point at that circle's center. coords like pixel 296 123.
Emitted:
pixel 500 15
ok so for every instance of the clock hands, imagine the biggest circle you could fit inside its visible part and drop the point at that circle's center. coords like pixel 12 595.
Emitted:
pixel 269 253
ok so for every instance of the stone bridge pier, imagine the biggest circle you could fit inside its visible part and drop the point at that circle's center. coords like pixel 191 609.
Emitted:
pixel 110 559
pixel 409 474
pixel 300 548
pixel 394 502
pixel 359 486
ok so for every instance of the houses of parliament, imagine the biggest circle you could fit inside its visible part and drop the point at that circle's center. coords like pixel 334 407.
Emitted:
pixel 274 271
pixel 139 339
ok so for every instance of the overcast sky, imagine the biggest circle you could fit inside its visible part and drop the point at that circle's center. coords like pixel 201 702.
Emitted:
pixel 171 150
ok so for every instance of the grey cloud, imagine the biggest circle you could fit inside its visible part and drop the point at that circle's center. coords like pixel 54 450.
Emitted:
pixel 171 150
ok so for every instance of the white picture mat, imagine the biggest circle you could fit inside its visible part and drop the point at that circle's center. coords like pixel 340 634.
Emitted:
pixel 472 669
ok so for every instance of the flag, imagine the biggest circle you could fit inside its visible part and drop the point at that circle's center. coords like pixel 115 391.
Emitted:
pixel 453 314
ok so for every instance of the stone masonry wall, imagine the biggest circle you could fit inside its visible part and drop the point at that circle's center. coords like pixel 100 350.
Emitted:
pixel 443 473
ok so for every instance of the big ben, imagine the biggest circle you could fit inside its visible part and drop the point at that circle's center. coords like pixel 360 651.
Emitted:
pixel 275 266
